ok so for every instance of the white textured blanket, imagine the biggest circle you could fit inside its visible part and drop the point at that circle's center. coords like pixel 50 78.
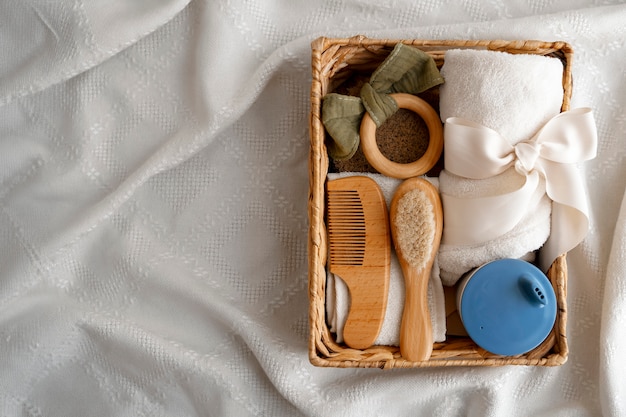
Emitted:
pixel 153 211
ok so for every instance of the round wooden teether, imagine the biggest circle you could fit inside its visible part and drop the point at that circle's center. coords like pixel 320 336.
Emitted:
pixel 413 169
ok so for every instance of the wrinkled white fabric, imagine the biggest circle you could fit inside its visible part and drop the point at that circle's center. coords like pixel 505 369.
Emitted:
pixel 153 211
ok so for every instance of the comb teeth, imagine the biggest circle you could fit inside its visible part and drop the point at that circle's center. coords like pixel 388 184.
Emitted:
pixel 346 227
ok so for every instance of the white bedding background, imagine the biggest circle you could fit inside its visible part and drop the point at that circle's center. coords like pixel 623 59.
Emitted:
pixel 153 223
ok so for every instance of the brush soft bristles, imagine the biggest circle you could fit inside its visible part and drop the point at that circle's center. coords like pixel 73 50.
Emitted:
pixel 346 227
pixel 415 224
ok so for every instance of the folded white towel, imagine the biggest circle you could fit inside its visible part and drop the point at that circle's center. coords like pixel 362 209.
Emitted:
pixel 514 95
pixel 520 242
pixel 338 296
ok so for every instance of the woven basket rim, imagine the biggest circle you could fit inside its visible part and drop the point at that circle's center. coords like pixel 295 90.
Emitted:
pixel 323 350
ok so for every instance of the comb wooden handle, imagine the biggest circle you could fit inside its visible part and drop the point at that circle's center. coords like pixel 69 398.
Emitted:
pixel 368 304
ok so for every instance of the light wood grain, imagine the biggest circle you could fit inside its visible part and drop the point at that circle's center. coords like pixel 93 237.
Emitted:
pixel 413 169
pixel 360 253
pixel 416 335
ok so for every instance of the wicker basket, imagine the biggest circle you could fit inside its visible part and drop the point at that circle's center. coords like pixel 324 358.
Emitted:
pixel 333 61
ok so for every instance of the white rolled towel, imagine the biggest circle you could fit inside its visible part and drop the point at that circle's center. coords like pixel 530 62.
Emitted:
pixel 338 296
pixel 520 242
pixel 515 95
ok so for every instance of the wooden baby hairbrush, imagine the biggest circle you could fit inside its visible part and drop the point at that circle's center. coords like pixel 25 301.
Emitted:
pixel 416 225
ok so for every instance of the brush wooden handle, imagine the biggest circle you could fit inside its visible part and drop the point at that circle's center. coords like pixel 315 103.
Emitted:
pixel 416 336
pixel 416 332
pixel 415 168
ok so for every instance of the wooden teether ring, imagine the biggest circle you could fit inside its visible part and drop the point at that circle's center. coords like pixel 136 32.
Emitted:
pixel 413 169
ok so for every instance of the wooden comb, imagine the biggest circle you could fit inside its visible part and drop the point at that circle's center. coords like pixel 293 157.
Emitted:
pixel 360 253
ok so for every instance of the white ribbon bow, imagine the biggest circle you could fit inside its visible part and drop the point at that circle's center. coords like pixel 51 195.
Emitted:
pixel 477 152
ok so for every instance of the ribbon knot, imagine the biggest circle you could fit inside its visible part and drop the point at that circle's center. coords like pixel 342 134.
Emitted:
pixel 527 154
pixel 477 152
pixel 405 70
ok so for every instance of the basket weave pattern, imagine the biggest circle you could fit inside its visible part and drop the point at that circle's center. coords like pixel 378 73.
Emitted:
pixel 333 61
